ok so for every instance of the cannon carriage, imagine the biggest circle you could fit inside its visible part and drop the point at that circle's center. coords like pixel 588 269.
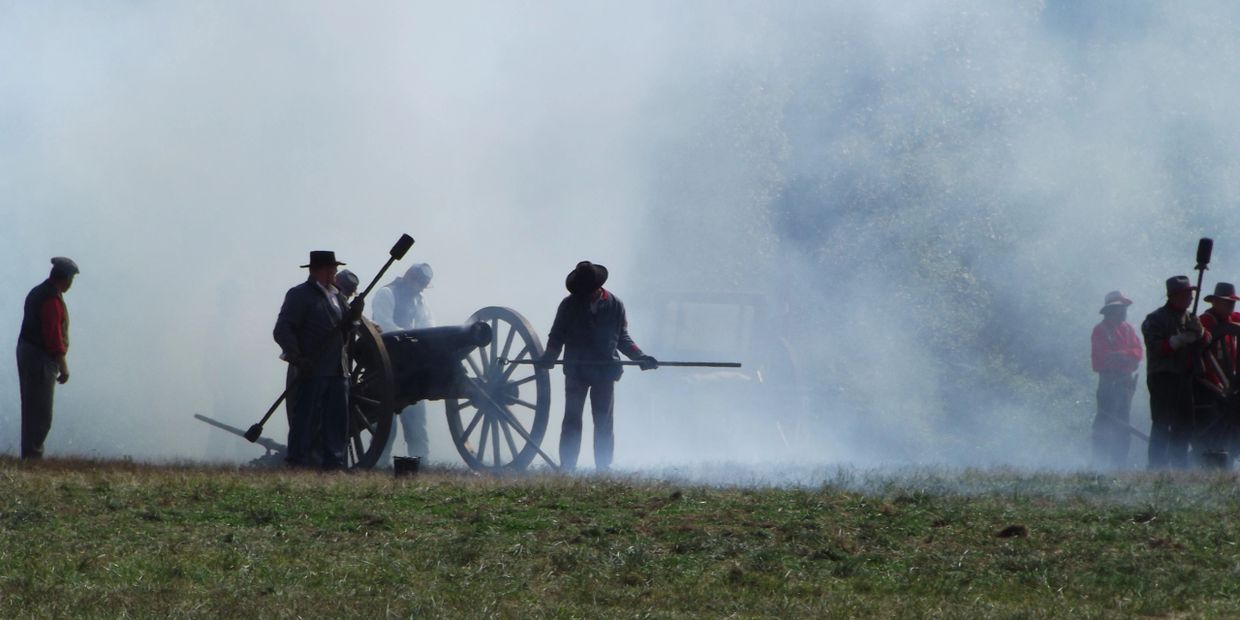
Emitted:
pixel 497 414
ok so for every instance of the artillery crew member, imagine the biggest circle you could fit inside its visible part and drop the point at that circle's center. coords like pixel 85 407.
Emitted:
pixel 591 326
pixel 1116 354
pixel 41 349
pixel 346 283
pixel 310 331
pixel 399 306
pixel 1215 424
pixel 1169 331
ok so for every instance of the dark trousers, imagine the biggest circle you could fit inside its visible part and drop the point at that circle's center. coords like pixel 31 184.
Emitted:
pixel 1171 420
pixel 1212 431
pixel 602 394
pixel 1110 435
pixel 320 422
pixel 36 374
pixel 290 392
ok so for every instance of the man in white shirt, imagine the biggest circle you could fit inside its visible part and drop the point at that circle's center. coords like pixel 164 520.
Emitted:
pixel 400 306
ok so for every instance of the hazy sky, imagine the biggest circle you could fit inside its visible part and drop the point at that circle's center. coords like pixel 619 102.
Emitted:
pixel 872 170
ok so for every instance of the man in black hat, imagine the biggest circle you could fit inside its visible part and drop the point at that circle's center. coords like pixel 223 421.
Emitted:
pixel 591 326
pixel 346 282
pixel 1169 333
pixel 41 349
pixel 399 306
pixel 1116 354
pixel 310 333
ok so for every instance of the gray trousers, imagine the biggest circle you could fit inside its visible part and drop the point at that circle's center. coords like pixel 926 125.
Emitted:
pixel 412 422
pixel 1110 436
pixel 36 374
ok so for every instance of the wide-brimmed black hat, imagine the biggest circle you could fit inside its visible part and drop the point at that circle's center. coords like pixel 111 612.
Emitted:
pixel 320 258
pixel 1223 291
pixel 1175 284
pixel 586 277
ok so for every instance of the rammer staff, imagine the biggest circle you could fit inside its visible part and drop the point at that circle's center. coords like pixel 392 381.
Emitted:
pixel 504 361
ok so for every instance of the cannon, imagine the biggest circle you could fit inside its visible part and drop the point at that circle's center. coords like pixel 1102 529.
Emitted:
pixel 497 413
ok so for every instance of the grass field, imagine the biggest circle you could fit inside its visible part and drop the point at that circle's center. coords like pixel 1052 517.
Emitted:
pixel 115 539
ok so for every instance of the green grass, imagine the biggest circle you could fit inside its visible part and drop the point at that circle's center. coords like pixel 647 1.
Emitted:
pixel 112 540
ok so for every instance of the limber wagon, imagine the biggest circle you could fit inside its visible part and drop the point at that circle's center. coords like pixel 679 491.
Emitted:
pixel 497 410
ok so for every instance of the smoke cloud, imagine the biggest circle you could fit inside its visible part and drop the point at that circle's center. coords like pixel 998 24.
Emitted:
pixel 901 216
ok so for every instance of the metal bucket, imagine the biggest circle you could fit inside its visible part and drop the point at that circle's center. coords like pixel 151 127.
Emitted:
pixel 406 465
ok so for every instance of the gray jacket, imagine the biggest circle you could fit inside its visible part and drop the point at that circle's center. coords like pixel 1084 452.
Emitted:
pixel 308 332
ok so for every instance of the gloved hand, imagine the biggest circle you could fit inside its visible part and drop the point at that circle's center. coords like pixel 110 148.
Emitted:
pixel 546 361
pixel 647 362
pixel 1194 325
pixel 355 309
pixel 1184 338
pixel 300 362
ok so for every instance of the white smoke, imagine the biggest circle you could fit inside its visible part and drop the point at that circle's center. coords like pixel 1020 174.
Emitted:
pixel 929 201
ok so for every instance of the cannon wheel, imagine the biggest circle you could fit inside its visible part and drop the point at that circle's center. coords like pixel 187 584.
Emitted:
pixel 372 390
pixel 501 396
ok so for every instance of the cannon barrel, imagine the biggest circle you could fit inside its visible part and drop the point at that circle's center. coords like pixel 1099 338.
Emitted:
pixel 426 363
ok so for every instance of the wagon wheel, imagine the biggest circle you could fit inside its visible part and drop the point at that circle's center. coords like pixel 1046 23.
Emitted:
pixel 371 394
pixel 501 397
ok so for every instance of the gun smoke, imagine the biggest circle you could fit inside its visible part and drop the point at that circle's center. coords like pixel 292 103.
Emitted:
pixel 916 207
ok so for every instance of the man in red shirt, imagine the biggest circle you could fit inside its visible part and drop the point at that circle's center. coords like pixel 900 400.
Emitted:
pixel 41 349
pixel 1117 352
pixel 1217 383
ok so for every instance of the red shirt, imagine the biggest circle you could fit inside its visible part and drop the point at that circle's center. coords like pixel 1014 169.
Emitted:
pixel 1116 347
pixel 1225 352
pixel 53 315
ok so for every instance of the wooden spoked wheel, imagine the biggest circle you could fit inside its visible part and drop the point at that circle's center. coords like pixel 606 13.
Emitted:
pixel 372 390
pixel 502 422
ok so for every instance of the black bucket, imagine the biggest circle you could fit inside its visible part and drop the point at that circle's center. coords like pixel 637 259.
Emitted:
pixel 406 465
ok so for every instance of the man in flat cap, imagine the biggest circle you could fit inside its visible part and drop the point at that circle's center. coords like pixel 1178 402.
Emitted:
pixel 41 349
pixel 346 283
pixel 310 332
pixel 399 306
pixel 591 327
pixel 1116 354
pixel 1170 332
